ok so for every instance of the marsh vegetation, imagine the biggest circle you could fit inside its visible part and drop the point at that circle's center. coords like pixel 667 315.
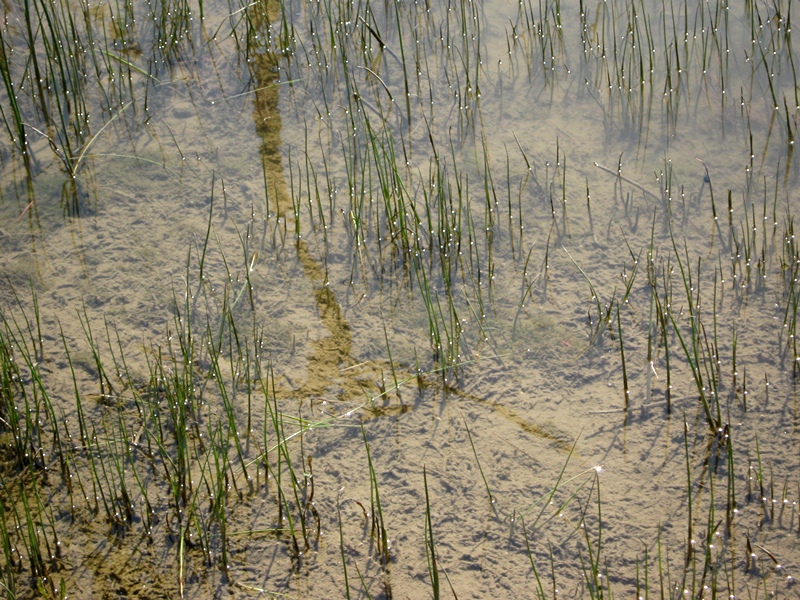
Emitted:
pixel 357 299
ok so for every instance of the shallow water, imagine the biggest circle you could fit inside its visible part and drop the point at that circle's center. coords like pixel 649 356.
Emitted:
pixel 504 249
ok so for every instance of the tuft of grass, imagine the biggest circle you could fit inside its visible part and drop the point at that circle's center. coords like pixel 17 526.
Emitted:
pixel 430 544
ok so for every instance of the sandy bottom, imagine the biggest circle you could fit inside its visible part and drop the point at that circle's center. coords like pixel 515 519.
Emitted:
pixel 537 401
